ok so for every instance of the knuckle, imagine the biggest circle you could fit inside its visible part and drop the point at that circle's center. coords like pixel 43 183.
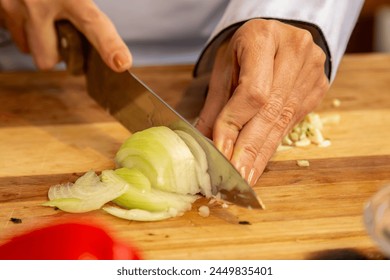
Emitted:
pixel 286 117
pixel 272 110
pixel 90 15
pixel 32 5
pixel 232 124
pixel 256 24
pixel 305 37
pixel 36 7
pixel 268 30
pixel 303 41
pixel 272 25
pixel 320 54
pixel 254 95
pixel 261 159
pixel 251 151
pixel 39 10
pixel 323 85
pixel 259 29
pixel 264 156
pixel 319 57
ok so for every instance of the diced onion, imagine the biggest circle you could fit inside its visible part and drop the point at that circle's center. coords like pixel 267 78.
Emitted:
pixel 307 132
pixel 204 211
pixel 303 163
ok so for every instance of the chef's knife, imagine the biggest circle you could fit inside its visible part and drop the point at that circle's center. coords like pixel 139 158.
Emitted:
pixel 137 107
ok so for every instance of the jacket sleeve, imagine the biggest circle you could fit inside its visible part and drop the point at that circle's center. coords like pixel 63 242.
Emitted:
pixel 331 23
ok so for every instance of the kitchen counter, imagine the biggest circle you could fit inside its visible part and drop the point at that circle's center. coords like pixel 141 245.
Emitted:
pixel 51 132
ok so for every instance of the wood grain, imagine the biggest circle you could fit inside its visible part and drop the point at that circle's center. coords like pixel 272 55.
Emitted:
pixel 52 132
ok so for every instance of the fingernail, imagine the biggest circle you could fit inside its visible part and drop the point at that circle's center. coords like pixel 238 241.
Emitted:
pixel 121 61
pixel 243 171
pixel 196 121
pixel 226 147
pixel 253 176
pixel 205 128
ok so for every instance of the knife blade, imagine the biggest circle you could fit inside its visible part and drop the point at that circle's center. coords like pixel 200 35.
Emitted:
pixel 137 107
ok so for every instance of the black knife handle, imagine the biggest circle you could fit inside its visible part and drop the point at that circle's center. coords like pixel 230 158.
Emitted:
pixel 73 47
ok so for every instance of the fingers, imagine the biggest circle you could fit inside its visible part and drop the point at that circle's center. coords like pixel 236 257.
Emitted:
pixel 101 33
pixel 13 14
pixel 254 71
pixel 277 111
pixel 31 23
pixel 42 38
pixel 287 120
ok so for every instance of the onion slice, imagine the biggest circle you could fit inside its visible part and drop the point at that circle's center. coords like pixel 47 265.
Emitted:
pixel 139 195
pixel 88 193
pixel 139 214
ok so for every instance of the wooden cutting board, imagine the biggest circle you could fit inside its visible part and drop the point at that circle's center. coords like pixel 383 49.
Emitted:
pixel 51 132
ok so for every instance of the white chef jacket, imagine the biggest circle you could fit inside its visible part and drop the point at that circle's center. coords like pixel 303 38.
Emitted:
pixel 331 23
pixel 186 31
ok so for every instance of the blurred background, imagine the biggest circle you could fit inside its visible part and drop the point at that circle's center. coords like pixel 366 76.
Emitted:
pixel 372 31
pixel 371 34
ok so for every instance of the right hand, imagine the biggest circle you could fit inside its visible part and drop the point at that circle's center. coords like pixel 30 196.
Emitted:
pixel 31 24
pixel 265 79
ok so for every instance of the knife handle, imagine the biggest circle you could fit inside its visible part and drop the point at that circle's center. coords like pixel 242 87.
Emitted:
pixel 73 47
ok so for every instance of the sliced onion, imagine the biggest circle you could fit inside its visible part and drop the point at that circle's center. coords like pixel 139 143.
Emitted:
pixel 140 195
pixel 139 214
pixel 162 172
pixel 163 157
pixel 86 194
pixel 201 165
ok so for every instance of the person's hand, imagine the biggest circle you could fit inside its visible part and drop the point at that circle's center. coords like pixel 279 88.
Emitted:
pixel 265 79
pixel 31 24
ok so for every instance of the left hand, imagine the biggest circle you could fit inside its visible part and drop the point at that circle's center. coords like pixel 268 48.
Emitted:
pixel 265 79
pixel 32 27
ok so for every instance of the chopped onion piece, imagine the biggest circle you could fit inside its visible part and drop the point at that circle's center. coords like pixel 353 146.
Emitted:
pixel 225 205
pixel 308 131
pixel 331 119
pixel 325 143
pixel 303 163
pixel 204 211
pixel 303 143
pixel 336 103
pixel 316 136
pixel 283 148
